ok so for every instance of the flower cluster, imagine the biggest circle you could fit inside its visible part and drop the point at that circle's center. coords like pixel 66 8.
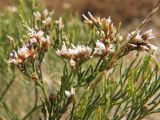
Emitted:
pixel 22 54
pixel 104 46
pixel 37 40
pixel 109 40
pixel 76 54
pixel 44 17
pixel 139 41
pixel 79 53
pixel 108 31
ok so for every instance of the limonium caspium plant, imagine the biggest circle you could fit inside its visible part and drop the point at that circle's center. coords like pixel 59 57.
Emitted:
pixel 96 82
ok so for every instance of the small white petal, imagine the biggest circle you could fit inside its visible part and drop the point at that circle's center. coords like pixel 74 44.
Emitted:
pixel 144 47
pixel 73 64
pixel 109 20
pixel 45 12
pixel 13 61
pixel 37 15
pixel 72 91
pixel 68 94
pixel 153 47
pixel 40 34
pixel 33 40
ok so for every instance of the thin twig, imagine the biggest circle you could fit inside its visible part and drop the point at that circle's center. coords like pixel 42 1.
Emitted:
pixel 33 109
pixel 7 88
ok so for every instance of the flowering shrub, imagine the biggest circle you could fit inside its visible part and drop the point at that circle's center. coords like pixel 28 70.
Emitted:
pixel 96 82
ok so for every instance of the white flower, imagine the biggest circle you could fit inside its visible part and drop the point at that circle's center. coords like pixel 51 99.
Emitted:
pixel 100 48
pixel 72 63
pixel 135 36
pixel 152 47
pixel 120 38
pixel 39 34
pixel 14 61
pixel 37 15
pixel 100 44
pixel 63 52
pixel 109 20
pixel 45 12
pixel 70 93
pixel 144 48
pixel 148 35
pixel 138 37
pixel 132 45
pixel 139 41
pixel 47 21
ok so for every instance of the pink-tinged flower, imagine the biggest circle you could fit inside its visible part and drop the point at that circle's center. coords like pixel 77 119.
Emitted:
pixel 70 93
pixel 23 53
pixel 75 54
pixel 45 42
pixel 33 40
pixel 38 37
pixel 135 37
pixel 32 53
pixel 80 52
pixel 63 52
pixel 39 34
pixel 139 41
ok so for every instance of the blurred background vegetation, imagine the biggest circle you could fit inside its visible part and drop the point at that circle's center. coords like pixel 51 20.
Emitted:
pixel 128 12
